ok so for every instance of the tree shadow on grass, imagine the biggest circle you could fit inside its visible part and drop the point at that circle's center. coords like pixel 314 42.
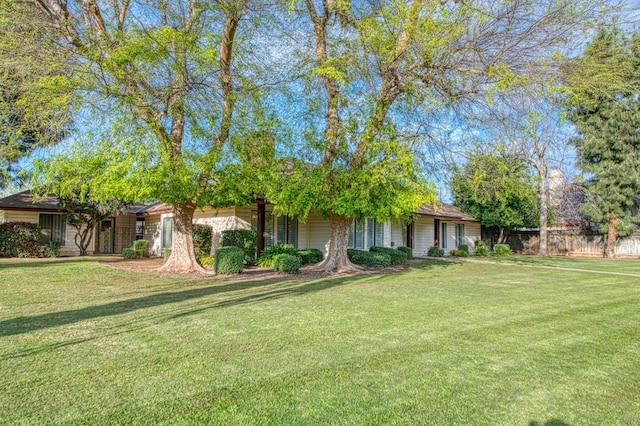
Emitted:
pixel 23 325
pixel 13 263
pixel 552 422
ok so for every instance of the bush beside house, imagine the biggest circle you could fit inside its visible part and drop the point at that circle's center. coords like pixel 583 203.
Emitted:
pixel 20 239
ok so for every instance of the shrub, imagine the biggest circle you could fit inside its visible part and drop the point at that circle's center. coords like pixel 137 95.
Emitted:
pixel 228 260
pixel 397 257
pixel 245 239
pixel 310 256
pixel 482 251
pixel 435 252
pixel 502 250
pixel 206 260
pixel 166 253
pixel 201 240
pixel 287 263
pixel 464 247
pixel 407 250
pixel 20 239
pixel 141 248
pixel 129 253
pixel 459 253
pixel 268 255
pixel 51 249
pixel 368 258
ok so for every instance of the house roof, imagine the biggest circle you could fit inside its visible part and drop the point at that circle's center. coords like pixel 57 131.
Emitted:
pixel 24 201
pixel 154 208
pixel 445 211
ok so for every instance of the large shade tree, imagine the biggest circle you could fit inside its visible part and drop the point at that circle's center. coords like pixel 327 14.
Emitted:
pixel 606 88
pixel 369 63
pixel 34 99
pixel 159 88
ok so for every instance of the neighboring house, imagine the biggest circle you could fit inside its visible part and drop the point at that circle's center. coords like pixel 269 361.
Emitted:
pixel 445 227
pixel 111 235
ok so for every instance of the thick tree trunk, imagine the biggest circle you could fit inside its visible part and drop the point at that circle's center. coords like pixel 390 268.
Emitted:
pixel 543 199
pixel 337 259
pixel 610 250
pixel 183 258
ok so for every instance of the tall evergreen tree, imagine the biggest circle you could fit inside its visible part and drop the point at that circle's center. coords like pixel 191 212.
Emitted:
pixel 607 117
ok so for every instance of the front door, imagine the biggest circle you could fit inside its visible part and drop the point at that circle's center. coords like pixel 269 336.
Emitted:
pixel 436 232
pixel 105 236
pixel 410 235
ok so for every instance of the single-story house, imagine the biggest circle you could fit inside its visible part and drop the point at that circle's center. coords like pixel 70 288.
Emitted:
pixel 111 235
pixel 444 226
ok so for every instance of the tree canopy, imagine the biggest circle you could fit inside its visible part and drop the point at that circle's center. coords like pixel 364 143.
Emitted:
pixel 497 189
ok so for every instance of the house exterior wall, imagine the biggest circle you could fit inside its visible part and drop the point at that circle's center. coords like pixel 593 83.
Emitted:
pixel 125 232
pixel 220 220
pixel 423 235
pixel 153 233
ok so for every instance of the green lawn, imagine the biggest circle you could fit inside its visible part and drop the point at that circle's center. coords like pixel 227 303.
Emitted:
pixel 624 266
pixel 443 343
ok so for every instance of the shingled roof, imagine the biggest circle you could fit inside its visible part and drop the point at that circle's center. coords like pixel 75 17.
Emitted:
pixel 445 211
pixel 24 201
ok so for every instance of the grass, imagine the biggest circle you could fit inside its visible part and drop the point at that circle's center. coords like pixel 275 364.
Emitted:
pixel 443 343
pixel 593 264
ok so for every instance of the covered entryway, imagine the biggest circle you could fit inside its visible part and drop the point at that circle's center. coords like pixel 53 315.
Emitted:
pixel 105 236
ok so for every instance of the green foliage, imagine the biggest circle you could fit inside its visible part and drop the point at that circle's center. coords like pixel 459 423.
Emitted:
pixel 228 260
pixel 406 250
pixel 51 249
pixel 481 251
pixel 166 253
pixel 502 250
pixel 368 258
pixel 141 248
pixel 129 253
pixel 606 112
pixel 243 238
pixel 287 263
pixel 206 260
pixel 267 257
pixel 435 252
pixel 20 239
pixel 464 247
pixel 459 253
pixel 310 256
pixel 398 257
pixel 202 239
pixel 497 189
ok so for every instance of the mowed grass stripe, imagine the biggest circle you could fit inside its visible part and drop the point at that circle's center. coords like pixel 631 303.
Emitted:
pixel 441 343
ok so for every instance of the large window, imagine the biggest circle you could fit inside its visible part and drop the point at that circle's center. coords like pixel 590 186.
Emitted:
pixel 53 228
pixel 364 234
pixel 277 229
pixel 459 234
pixel 167 232
pixel 374 233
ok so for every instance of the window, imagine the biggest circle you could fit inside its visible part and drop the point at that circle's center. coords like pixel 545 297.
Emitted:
pixel 277 230
pixel 167 232
pixel 356 235
pixel 53 228
pixel 443 236
pixel 459 234
pixel 374 233
pixel 139 228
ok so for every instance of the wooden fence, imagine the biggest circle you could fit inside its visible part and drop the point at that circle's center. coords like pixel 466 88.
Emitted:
pixel 573 243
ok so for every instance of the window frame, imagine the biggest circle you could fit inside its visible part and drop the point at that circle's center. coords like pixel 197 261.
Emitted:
pixel 49 234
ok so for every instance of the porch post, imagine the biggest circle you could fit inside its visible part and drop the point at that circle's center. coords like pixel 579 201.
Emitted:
pixel 261 218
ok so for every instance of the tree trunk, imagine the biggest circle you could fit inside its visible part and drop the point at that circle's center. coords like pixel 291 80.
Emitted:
pixel 337 259
pixel 543 199
pixel 610 250
pixel 182 259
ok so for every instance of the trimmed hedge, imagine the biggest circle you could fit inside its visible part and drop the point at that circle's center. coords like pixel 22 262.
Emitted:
pixel 20 239
pixel 229 260
pixel 397 257
pixel 287 263
pixel 268 255
pixel 129 253
pixel 502 250
pixel 459 253
pixel 311 256
pixel 206 260
pixel 246 239
pixel 369 258
pixel 201 240
pixel 406 250
pixel 481 251
pixel 141 248
pixel 51 249
pixel 435 252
